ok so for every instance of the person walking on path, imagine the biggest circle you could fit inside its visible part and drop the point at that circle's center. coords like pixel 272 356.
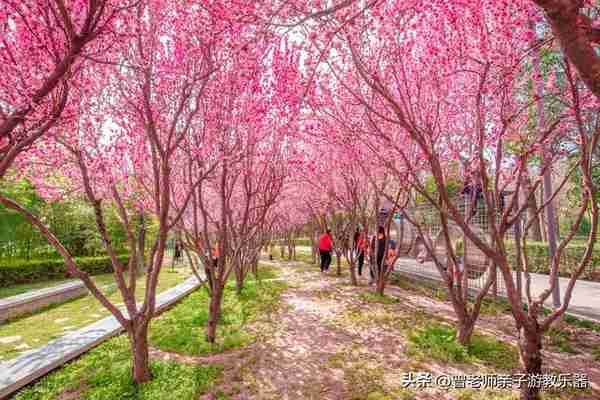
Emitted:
pixel 391 257
pixel 325 247
pixel 360 247
pixel 378 251
pixel 215 255
pixel 177 255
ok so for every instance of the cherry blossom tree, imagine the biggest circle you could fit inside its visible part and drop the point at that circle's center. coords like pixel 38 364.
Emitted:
pixel 452 95
pixel 125 149
pixel 45 49
pixel 574 24
pixel 248 113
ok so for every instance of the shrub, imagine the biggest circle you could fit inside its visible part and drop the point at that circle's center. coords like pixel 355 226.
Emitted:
pixel 537 253
pixel 21 271
pixel 297 242
pixel 539 259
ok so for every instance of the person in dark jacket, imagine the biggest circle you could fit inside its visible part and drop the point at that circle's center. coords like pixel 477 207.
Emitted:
pixel 378 251
pixel 360 247
pixel 473 193
pixel 177 252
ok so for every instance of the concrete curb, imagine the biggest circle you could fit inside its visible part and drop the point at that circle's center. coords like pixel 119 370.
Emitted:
pixel 16 373
pixel 29 302
pixel 433 282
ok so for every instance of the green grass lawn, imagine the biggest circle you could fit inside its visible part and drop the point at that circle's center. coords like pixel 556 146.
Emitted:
pixel 14 290
pixel 105 372
pixel 437 341
pixel 26 287
pixel 182 330
pixel 39 328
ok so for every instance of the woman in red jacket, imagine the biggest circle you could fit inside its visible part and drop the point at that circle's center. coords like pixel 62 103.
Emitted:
pixel 325 247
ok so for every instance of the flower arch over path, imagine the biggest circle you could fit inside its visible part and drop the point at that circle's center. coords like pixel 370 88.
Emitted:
pixel 224 120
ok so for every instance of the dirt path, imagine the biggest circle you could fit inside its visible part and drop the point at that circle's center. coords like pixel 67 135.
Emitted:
pixel 333 341
pixel 331 344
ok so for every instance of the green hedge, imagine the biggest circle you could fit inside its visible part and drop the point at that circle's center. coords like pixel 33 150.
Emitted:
pixel 41 270
pixel 537 254
pixel 299 242
pixel 539 260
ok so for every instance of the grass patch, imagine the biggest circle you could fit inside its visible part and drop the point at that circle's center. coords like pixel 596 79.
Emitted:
pixel 363 377
pixel 438 341
pixel 264 272
pixel 404 394
pixel 373 297
pixel 419 287
pixel 26 287
pixel 561 339
pixel 306 257
pixel 493 352
pixel 104 373
pixel 494 307
pixel 102 279
pixel 582 323
pixel 182 329
pixel 472 394
pixel 489 306
pixel 392 318
pixel 54 321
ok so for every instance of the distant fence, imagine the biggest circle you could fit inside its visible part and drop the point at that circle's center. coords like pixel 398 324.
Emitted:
pixel 427 217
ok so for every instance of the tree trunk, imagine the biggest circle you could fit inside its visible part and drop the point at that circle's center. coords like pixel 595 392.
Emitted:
pixel 518 262
pixel 552 231
pixel 141 360
pixel 380 279
pixel 380 286
pixel 255 268
pixel 239 280
pixel 141 247
pixel 465 331
pixel 542 222
pixel 465 321
pixel 536 228
pixel 530 350
pixel 214 311
pixel 353 278
pixel 338 262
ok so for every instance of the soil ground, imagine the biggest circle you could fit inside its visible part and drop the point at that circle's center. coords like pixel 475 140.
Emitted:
pixel 330 340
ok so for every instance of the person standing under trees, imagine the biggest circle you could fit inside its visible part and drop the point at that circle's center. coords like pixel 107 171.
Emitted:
pixel 378 251
pixel 215 255
pixel 177 254
pixel 203 249
pixel 360 246
pixel 391 256
pixel 473 192
pixel 325 247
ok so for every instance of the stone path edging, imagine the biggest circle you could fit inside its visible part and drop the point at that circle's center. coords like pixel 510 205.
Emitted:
pixel 18 372
pixel 14 306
